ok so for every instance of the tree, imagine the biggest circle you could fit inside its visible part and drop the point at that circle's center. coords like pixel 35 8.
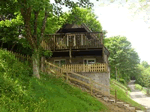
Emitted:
pixel 122 56
pixel 84 15
pixel 145 64
pixel 34 14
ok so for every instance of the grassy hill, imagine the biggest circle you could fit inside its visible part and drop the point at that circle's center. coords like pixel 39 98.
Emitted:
pixel 20 92
pixel 121 94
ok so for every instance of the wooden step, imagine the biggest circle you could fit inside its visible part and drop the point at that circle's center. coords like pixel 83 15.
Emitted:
pixel 112 100
pixel 132 108
pixel 105 98
pixel 126 105
pixel 139 111
pixel 99 96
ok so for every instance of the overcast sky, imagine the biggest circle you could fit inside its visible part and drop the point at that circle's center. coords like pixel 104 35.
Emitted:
pixel 126 19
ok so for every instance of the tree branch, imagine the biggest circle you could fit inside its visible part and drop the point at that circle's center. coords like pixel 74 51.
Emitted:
pixel 26 13
pixel 43 25
pixel 35 24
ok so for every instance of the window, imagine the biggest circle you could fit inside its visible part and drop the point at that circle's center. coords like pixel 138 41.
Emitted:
pixel 60 62
pixel 89 61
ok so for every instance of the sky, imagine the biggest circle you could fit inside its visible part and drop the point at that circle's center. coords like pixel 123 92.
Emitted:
pixel 126 19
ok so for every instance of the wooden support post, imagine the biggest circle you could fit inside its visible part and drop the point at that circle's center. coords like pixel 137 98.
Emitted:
pixel 103 54
pixel 115 96
pixel 91 87
pixel 70 55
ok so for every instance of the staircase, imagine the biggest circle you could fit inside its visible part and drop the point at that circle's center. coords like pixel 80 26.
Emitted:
pixel 114 104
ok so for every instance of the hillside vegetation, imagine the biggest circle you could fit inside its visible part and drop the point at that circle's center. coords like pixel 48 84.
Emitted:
pixel 20 92
pixel 121 94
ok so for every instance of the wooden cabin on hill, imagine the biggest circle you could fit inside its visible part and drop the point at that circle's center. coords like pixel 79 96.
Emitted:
pixel 78 49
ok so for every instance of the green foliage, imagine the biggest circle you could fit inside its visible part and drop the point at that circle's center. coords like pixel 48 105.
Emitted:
pixel 122 56
pixel 122 81
pixel 143 76
pixel 145 64
pixel 47 53
pixel 84 15
pixel 20 92
pixel 139 87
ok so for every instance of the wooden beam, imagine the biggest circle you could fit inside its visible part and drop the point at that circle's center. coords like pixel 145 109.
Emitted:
pixel 70 55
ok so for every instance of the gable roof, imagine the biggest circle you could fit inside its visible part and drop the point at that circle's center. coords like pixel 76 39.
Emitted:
pixel 74 28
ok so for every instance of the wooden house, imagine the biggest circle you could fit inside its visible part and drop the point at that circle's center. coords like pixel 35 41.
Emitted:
pixel 78 49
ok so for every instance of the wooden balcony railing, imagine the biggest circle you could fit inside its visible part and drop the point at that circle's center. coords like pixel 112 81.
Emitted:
pixel 102 67
pixel 73 40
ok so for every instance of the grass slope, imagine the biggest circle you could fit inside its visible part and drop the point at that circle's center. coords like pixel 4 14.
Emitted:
pixel 20 92
pixel 121 94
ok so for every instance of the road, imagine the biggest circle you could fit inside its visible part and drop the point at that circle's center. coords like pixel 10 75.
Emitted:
pixel 138 96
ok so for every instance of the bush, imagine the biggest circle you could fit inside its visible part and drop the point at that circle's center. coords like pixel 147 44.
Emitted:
pixel 122 81
pixel 139 87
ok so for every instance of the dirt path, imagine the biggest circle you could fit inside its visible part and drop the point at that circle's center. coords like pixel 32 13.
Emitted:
pixel 138 96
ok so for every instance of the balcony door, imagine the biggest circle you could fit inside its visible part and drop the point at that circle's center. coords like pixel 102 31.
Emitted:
pixel 71 40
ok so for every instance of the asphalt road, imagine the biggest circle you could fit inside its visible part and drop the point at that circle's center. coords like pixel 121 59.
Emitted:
pixel 138 96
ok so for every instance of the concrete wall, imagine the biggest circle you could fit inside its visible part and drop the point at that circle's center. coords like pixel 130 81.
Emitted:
pixel 101 78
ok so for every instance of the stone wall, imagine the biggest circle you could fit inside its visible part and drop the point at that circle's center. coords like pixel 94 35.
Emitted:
pixel 101 78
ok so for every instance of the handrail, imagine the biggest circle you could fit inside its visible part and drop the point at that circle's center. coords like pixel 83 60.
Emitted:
pixel 90 80
pixel 67 70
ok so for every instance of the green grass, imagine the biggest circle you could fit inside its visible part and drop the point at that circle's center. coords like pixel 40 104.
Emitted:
pixel 20 92
pixel 121 94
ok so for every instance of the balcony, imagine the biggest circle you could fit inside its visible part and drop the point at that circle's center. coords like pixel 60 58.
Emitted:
pixel 73 41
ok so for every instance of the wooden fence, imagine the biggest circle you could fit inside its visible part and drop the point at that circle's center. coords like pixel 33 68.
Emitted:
pixel 101 67
pixel 20 57
pixel 125 89
pixel 61 72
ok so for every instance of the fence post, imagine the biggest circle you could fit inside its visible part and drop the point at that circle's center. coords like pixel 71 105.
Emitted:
pixel 67 76
pixel 115 96
pixel 91 86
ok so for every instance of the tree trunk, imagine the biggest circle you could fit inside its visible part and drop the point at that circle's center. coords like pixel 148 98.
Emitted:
pixel 36 65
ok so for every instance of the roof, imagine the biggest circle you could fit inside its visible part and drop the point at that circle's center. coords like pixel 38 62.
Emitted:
pixel 73 28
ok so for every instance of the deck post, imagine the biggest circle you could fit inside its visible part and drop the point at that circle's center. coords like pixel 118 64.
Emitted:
pixel 70 55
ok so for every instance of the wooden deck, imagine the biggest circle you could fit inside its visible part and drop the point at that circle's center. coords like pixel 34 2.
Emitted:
pixel 73 41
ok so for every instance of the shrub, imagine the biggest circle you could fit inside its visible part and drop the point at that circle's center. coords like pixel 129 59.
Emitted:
pixel 139 87
pixel 122 81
